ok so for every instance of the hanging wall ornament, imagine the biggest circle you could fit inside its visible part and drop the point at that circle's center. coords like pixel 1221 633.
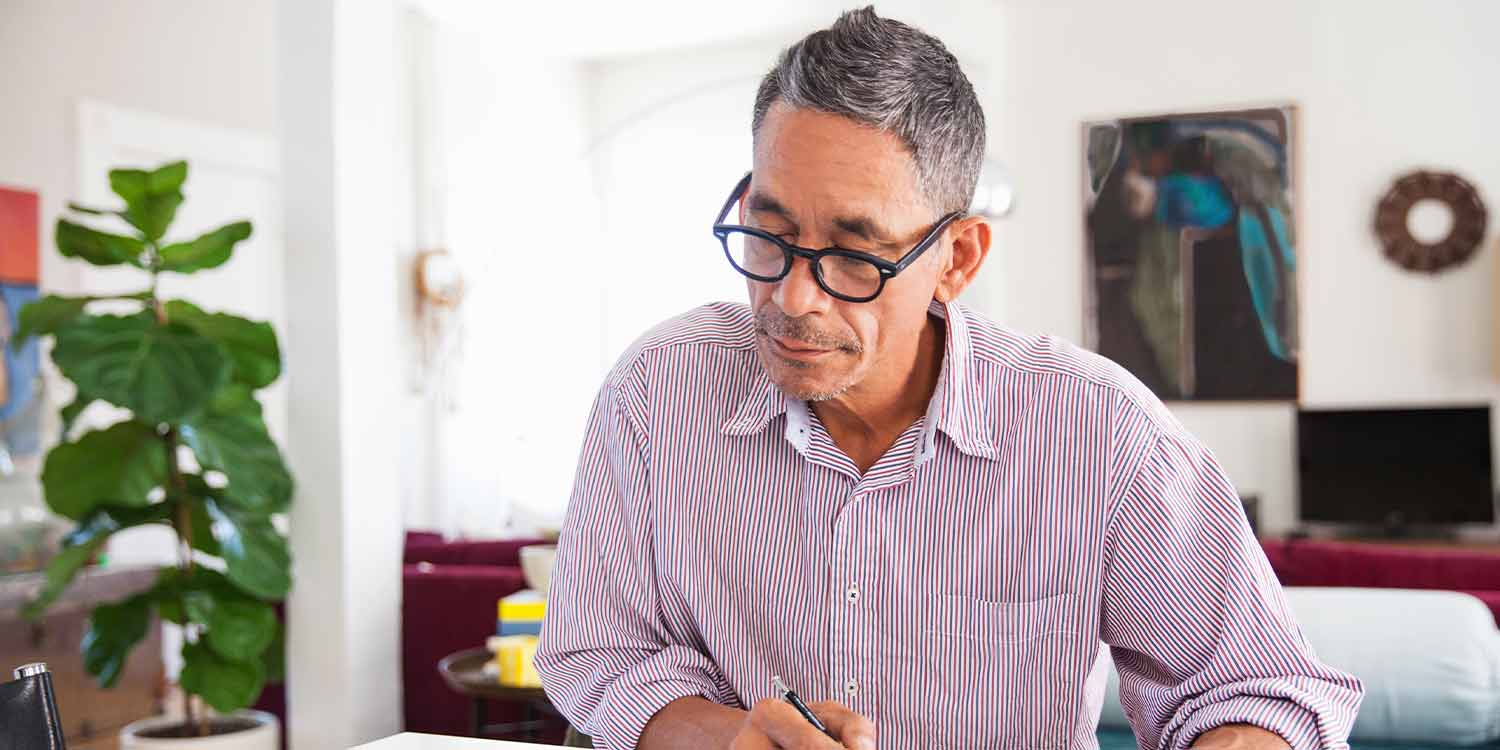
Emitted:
pixel 1430 198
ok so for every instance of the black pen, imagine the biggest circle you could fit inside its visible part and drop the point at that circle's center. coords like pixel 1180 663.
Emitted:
pixel 791 697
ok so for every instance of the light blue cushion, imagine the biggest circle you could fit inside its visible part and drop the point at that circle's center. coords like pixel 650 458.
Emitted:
pixel 1429 661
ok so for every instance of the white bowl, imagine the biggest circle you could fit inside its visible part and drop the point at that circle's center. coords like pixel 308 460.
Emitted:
pixel 536 565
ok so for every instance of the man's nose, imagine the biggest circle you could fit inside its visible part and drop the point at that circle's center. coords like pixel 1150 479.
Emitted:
pixel 799 294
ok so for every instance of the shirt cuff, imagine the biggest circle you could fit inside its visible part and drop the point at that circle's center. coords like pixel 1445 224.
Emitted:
pixel 1295 723
pixel 646 688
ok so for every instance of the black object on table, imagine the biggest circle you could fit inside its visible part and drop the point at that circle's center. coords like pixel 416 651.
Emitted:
pixel 28 711
pixel 464 673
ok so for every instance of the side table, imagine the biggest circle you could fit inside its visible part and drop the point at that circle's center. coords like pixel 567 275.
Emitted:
pixel 464 673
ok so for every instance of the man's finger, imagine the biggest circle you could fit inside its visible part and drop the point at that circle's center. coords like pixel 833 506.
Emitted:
pixel 852 730
pixel 787 728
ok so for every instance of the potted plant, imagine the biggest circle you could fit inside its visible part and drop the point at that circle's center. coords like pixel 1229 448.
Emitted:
pixel 192 453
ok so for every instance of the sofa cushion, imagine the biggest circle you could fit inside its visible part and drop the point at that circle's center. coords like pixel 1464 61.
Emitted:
pixel 501 552
pixel 1330 563
pixel 1429 661
pixel 446 608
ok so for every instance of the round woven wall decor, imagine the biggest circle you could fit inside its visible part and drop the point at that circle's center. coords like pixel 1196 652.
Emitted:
pixel 1469 219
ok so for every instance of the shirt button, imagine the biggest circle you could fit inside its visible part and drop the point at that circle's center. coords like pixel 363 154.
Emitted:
pixel 852 594
pixel 851 687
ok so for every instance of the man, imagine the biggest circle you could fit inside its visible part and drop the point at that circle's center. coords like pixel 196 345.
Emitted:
pixel 920 519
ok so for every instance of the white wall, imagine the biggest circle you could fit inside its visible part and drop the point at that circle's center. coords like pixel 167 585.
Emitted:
pixel 515 204
pixel 1383 88
pixel 669 137
pixel 209 61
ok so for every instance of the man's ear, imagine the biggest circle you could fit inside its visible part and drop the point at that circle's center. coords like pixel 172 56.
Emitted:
pixel 971 243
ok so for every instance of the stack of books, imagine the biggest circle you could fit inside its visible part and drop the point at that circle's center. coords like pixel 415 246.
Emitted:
pixel 518 623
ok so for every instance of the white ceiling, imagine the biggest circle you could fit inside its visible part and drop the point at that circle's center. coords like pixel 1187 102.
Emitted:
pixel 591 29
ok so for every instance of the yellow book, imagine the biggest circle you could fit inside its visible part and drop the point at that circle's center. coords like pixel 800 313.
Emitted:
pixel 525 605
pixel 516 656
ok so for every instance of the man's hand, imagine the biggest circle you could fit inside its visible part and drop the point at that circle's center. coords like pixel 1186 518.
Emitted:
pixel 1239 737
pixel 775 725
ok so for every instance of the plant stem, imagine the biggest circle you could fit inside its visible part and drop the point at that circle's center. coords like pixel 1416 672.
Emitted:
pixel 193 714
pixel 183 525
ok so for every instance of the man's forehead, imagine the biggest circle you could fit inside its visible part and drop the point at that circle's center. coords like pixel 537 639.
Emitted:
pixel 796 149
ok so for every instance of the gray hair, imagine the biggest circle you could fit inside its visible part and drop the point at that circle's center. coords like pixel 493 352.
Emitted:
pixel 890 76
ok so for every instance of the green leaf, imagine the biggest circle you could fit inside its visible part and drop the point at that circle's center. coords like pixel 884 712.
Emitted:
pixel 273 659
pixel 83 541
pixel 80 545
pixel 255 555
pixel 130 184
pixel 203 532
pixel 231 437
pixel 175 588
pixel 239 629
pixel 115 466
pixel 96 247
pixel 61 571
pixel 114 629
pixel 151 198
pixel 46 315
pixel 224 684
pixel 207 251
pixel 106 520
pixel 168 178
pixel 162 373
pixel 153 215
pixel 251 344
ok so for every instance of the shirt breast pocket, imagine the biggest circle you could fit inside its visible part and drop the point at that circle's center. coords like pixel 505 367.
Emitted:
pixel 998 672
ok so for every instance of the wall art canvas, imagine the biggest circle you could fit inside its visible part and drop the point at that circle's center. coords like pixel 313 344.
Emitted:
pixel 1192 251
pixel 20 413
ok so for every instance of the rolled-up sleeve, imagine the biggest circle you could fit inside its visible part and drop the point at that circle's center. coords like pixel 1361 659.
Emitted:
pixel 1200 630
pixel 606 659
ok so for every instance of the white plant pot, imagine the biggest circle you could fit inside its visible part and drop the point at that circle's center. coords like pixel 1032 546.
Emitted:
pixel 266 735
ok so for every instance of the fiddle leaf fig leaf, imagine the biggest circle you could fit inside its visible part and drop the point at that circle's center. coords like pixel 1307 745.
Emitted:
pixel 251 344
pixel 46 315
pixel 114 629
pixel 255 554
pixel 231 437
pixel 207 251
pixel 96 247
pixel 225 684
pixel 115 466
pixel 163 373
pixel 151 198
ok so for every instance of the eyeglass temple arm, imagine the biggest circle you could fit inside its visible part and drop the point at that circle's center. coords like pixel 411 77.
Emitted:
pixel 734 195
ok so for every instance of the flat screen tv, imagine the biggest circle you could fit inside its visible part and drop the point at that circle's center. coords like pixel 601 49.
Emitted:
pixel 1395 468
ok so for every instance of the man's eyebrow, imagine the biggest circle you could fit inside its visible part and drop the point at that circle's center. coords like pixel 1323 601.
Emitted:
pixel 866 229
pixel 859 226
pixel 762 203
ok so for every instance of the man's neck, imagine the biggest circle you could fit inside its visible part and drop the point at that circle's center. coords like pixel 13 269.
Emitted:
pixel 865 422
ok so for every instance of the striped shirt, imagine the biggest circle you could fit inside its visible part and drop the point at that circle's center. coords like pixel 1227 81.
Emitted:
pixel 956 593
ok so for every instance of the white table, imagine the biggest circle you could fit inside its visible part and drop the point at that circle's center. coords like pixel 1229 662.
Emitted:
pixel 414 741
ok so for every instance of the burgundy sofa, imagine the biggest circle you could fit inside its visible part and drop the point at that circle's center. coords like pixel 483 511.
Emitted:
pixel 449 591
pixel 1308 562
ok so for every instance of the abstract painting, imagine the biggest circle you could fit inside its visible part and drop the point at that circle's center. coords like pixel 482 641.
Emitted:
pixel 20 407
pixel 1191 257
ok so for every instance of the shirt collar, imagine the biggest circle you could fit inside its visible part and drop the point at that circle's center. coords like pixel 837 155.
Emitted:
pixel 954 409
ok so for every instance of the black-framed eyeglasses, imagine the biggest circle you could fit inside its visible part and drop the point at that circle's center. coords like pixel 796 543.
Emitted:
pixel 849 275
